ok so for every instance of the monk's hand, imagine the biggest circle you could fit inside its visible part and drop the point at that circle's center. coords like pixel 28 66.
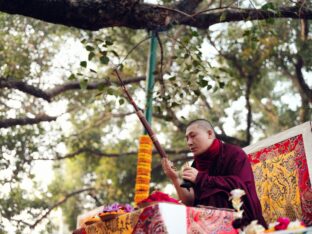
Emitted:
pixel 189 173
pixel 169 170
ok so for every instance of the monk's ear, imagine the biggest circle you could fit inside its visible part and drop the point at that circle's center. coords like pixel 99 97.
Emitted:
pixel 210 133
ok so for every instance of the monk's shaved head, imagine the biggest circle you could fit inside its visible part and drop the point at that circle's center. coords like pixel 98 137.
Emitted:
pixel 199 136
pixel 202 123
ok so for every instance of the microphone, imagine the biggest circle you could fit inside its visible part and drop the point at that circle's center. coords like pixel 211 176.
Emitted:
pixel 186 184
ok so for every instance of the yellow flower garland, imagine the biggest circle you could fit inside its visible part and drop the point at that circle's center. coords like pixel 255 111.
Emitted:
pixel 144 168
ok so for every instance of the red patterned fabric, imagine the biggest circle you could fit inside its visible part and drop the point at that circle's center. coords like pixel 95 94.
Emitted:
pixel 298 162
pixel 212 221
pixel 150 221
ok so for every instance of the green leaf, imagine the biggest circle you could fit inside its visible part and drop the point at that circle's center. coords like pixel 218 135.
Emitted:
pixel 121 67
pixel 110 91
pixel 89 48
pixel 101 87
pixel 121 101
pixel 223 16
pixel 269 6
pixel 186 40
pixel 196 63
pixel 203 83
pixel 215 88
pixel 209 87
pixel 270 21
pixel 93 71
pixel 196 92
pixel 91 56
pixel 72 77
pixel 158 109
pixel 104 60
pixel 109 42
pixel 246 33
pixel 195 34
pixel 98 94
pixel 186 55
pixel 115 53
pixel 174 104
pixel 103 52
pixel 198 56
pixel 83 64
pixel 83 84
pixel 99 40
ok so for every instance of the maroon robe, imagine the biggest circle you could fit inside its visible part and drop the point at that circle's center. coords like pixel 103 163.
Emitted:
pixel 222 168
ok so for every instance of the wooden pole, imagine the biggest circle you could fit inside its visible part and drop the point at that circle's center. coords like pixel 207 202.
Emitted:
pixel 142 118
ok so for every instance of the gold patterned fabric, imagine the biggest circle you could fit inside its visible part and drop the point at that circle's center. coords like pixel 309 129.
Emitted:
pixel 282 180
pixel 277 187
pixel 123 224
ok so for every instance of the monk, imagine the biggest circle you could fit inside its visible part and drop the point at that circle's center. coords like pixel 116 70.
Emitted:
pixel 218 168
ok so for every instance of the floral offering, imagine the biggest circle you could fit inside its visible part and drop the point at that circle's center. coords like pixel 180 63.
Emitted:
pixel 284 223
pixel 143 177
pixel 158 196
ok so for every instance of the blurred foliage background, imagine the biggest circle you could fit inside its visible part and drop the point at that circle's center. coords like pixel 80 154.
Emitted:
pixel 68 136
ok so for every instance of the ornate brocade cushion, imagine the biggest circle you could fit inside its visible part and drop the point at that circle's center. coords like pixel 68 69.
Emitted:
pixel 282 180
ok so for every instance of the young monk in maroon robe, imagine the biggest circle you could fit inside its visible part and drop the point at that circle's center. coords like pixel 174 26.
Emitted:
pixel 218 168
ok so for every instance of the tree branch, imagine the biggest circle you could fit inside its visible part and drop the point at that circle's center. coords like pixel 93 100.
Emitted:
pixel 232 140
pixel 66 197
pixel 299 80
pixel 95 15
pixel 249 83
pixel 49 94
pixel 204 21
pixel 188 6
pixel 6 123
pixel 100 153
pixel 23 87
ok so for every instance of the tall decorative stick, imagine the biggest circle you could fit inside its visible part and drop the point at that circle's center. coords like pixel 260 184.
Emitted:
pixel 142 119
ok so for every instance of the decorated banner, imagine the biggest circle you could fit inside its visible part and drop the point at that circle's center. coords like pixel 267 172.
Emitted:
pixel 282 170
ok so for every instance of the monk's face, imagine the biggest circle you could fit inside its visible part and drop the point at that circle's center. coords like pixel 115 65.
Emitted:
pixel 198 139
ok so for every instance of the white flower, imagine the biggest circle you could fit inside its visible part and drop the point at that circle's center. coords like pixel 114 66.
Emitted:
pixel 295 225
pixel 238 214
pixel 237 193
pixel 254 228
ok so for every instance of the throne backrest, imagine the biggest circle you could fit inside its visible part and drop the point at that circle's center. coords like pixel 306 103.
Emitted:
pixel 281 166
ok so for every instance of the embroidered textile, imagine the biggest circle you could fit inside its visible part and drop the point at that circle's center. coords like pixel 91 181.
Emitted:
pixel 150 221
pixel 123 224
pixel 282 180
pixel 213 221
